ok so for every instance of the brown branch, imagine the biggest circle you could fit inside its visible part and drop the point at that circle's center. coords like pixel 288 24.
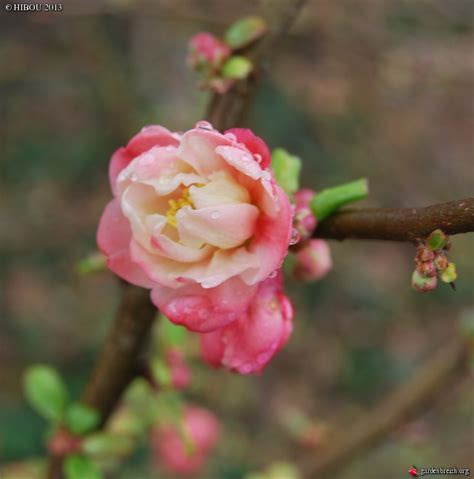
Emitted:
pixel 399 224
pixel 423 387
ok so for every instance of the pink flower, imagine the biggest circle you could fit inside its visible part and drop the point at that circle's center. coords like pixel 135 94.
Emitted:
pixel 180 372
pixel 206 49
pixel 197 219
pixel 313 260
pixel 185 451
pixel 248 344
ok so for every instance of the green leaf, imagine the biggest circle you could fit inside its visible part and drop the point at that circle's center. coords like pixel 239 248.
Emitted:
pixel 172 334
pixel 287 168
pixel 80 467
pixel 328 201
pixel 93 263
pixel 46 391
pixel 160 372
pixel 436 240
pixel 237 68
pixel 106 445
pixel 81 419
pixel 244 32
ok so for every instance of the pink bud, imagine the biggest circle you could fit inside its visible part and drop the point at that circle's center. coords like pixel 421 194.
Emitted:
pixel 206 49
pixel 424 254
pixel 423 283
pixel 440 261
pixel 184 451
pixel 427 269
pixel 179 370
pixel 313 260
pixel 303 197
pixel 304 221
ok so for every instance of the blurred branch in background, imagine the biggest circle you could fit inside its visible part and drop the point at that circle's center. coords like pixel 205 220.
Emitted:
pixel 399 224
pixel 423 387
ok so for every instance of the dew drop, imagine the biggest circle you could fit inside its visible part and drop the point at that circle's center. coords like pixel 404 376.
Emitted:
pixel 295 236
pixel 204 125
pixel 258 157
pixel 215 215
pixel 231 136
pixel 273 274
pixel 133 177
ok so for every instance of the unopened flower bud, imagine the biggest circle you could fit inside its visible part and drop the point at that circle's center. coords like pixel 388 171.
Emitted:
pixel 449 275
pixel 206 50
pixel 423 283
pixel 313 260
pixel 440 261
pixel 179 370
pixel 424 254
pixel 427 269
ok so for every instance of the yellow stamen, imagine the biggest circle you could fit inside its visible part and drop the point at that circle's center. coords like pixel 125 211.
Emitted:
pixel 176 205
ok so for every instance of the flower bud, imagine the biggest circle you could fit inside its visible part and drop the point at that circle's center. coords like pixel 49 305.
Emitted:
pixel 427 269
pixel 178 368
pixel 440 261
pixel 449 275
pixel 313 260
pixel 423 283
pixel 206 50
pixel 184 450
pixel 424 254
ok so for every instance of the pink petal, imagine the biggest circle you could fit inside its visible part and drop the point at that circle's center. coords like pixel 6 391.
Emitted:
pixel 120 160
pixel 272 237
pixel 198 148
pixel 246 345
pixel 149 136
pixel 113 238
pixel 224 226
pixel 204 310
pixel 253 143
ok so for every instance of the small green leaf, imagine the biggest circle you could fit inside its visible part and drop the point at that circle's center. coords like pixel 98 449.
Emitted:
pixel 237 68
pixel 80 467
pixel 437 240
pixel 160 372
pixel 172 334
pixel 46 391
pixel 93 263
pixel 81 419
pixel 106 445
pixel 287 168
pixel 326 202
pixel 244 32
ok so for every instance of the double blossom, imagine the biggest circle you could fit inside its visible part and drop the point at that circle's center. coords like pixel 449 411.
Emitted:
pixel 199 219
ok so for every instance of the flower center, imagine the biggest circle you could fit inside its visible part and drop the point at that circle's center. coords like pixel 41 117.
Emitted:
pixel 176 205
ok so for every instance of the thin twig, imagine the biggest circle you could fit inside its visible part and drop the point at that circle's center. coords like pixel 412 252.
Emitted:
pixel 399 224
pixel 422 388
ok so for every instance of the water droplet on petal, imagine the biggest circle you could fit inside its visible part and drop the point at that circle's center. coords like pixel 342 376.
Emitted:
pixel 258 158
pixel 273 274
pixel 204 125
pixel 215 215
pixel 133 177
pixel 295 236
pixel 231 136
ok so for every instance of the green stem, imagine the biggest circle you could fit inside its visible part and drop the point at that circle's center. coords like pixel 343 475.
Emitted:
pixel 326 202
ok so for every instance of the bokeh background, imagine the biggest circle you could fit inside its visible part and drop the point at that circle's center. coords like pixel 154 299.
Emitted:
pixel 375 88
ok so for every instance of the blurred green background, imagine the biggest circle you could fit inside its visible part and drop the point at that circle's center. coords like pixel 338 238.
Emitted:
pixel 375 88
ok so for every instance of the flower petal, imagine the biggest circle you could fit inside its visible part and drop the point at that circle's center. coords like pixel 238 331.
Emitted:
pixel 149 136
pixel 113 238
pixel 253 143
pixel 204 310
